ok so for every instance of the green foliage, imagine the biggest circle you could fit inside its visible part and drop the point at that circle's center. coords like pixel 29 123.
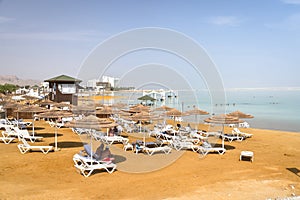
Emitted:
pixel 8 88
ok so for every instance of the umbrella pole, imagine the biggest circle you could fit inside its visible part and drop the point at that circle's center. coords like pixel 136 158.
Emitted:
pixel 56 149
pixel 223 137
pixel 33 125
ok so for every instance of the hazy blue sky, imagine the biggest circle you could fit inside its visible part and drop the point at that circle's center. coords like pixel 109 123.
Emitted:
pixel 253 43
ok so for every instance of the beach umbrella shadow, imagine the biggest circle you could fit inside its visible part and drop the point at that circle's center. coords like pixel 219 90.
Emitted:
pixel 48 135
pixel 68 144
pixel 119 158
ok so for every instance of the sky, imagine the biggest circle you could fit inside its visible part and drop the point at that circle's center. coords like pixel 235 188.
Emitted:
pixel 253 44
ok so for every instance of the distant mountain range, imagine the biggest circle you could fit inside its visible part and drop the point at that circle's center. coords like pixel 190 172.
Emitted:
pixel 11 79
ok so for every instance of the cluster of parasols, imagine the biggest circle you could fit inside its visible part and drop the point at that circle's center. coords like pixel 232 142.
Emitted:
pixel 97 117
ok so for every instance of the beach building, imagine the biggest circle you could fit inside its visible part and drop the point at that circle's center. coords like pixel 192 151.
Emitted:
pixel 105 83
pixel 63 88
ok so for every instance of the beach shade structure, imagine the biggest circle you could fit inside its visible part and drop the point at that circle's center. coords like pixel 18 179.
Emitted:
pixel 222 120
pixel 196 112
pixel 55 114
pixel 240 114
pixel 104 112
pixel 91 122
pixel 46 102
pixel 144 117
pixel 163 108
pixel 137 109
pixel 63 106
pixel 31 99
pixel 84 109
pixel 10 106
pixel 32 109
pixel 146 98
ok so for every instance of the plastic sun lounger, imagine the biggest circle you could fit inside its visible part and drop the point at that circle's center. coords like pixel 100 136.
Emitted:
pixel 25 134
pixel 151 151
pixel 111 139
pixel 179 145
pixel 205 150
pixel 86 165
pixel 7 140
pixel 238 132
pixel 230 138
pixel 25 147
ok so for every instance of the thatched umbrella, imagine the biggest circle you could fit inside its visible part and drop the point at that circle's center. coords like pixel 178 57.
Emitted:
pixel 10 106
pixel 138 108
pixel 175 113
pixel 92 122
pixel 163 108
pixel 104 111
pixel 33 110
pixel 240 114
pixel 85 109
pixel 63 105
pixel 223 119
pixel 196 112
pixel 54 114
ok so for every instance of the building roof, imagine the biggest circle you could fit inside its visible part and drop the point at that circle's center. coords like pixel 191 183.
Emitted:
pixel 63 78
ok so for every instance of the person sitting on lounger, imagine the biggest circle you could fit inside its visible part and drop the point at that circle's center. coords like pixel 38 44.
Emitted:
pixel 99 152
pixel 106 155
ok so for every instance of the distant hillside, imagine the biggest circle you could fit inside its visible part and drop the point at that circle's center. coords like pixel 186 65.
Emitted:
pixel 10 79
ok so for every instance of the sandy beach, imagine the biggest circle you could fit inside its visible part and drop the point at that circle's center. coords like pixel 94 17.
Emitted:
pixel 274 172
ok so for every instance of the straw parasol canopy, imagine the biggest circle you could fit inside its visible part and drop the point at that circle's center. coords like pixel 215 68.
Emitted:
pixel 86 109
pixel 33 109
pixel 196 112
pixel 240 114
pixel 223 119
pixel 137 108
pixel 92 122
pixel 163 108
pixel 54 114
pixel 46 102
pixel 174 113
pixel 63 105
pixel 105 110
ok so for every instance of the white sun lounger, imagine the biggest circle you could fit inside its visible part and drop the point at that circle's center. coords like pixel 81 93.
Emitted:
pixel 151 151
pixel 230 138
pixel 112 139
pixel 26 147
pixel 179 145
pixel 207 148
pixel 238 132
pixel 86 165
pixel 25 134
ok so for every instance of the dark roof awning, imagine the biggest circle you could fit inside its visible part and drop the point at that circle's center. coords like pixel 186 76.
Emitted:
pixel 63 78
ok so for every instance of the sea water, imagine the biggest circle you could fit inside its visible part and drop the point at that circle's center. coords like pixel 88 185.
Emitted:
pixel 276 109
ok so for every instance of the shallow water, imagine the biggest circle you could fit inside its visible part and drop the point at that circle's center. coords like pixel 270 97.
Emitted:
pixel 272 109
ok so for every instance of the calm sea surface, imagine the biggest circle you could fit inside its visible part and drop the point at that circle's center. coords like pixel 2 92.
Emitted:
pixel 272 109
